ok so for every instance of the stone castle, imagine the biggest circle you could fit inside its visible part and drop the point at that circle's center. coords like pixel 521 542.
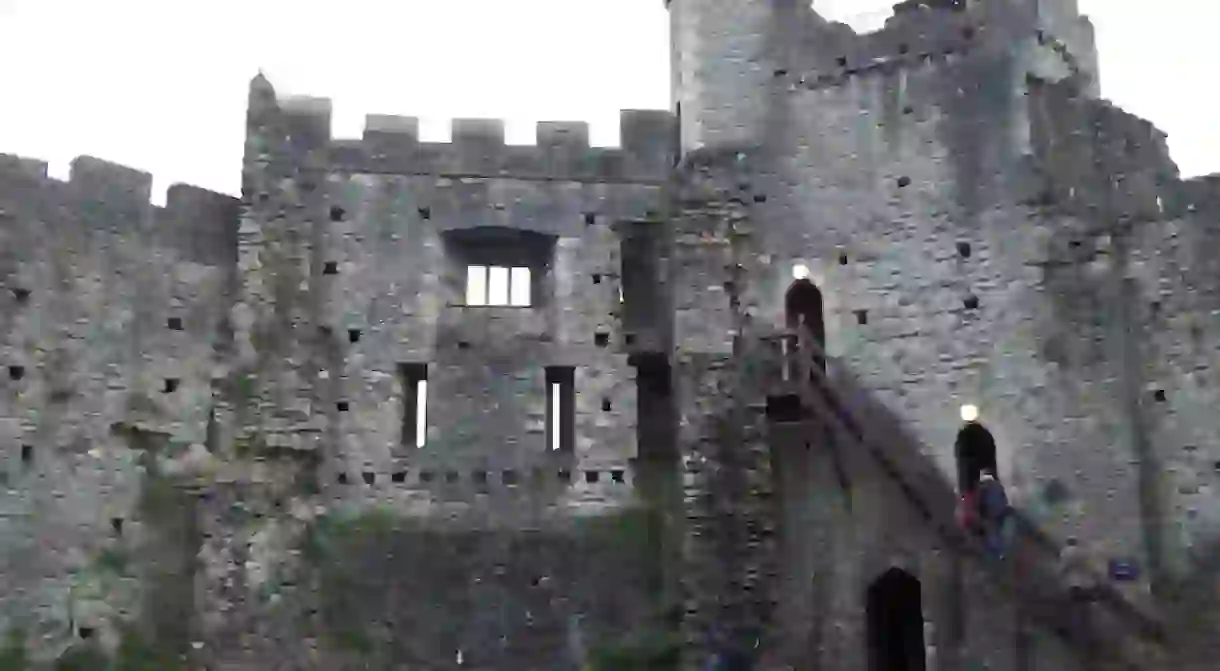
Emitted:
pixel 466 405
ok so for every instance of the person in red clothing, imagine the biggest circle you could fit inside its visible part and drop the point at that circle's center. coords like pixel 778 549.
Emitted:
pixel 968 512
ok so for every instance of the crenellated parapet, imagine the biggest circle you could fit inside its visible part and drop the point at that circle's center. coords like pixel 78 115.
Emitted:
pixel 1094 157
pixel 391 144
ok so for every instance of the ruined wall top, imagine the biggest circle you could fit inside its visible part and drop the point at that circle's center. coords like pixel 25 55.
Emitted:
pixel 391 144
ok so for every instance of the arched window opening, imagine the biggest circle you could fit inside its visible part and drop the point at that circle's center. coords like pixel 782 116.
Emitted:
pixel 895 623
pixel 975 451
pixel 803 307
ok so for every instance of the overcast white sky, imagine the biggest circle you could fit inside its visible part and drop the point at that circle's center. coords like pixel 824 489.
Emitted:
pixel 161 84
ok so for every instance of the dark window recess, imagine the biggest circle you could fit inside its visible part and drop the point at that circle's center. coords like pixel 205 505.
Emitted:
pixel 369 478
pixel 760 197
pixel 16 372
pixel 904 48
pixel 566 476
pixel 342 406
pixel 908 110
pixel 425 476
pixel 27 454
pixel 560 408
pixel 629 339
pixel 414 377
pixel 425 213
pixel 1159 395
pixel 116 523
pixel 22 295
pixel 842 61
pixel 862 317
pixel 171 385
pixel 597 278
pixel 175 323
pixel 336 213
pixel 398 477
pixel 605 405
pixel 842 259
pixel 971 302
pixel 590 218
pixel 592 477
pixel 353 335
pixel 963 250
pixel 616 475
pixel 601 339
pixel 330 268
pixel 342 478
pixel 509 477
pixel 904 182
pixel 451 477
pixel 85 632
pixel 652 374
pixel 462 344
pixel 479 477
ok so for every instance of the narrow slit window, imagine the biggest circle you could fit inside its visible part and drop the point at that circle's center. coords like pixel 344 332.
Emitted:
pixel 561 403
pixel 415 404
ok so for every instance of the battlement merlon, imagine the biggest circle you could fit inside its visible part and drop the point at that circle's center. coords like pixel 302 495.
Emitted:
pixel 103 194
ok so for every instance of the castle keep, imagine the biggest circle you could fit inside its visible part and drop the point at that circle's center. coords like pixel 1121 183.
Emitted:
pixel 467 405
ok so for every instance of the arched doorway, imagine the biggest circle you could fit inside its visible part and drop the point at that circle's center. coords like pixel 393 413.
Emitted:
pixel 803 306
pixel 895 623
pixel 975 451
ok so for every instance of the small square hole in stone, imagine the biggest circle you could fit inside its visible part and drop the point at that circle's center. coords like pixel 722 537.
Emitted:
pixel 842 259
pixel 21 295
pixel 425 213
pixel 174 323
pixel 27 454
pixel 904 48
pixel 908 109
pixel 330 268
pixel 861 317
pixel 629 339
pixel 597 278
pixel 963 250
pixel 590 218
pixel 398 477
pixel 509 477
pixel 369 478
pixel 842 61
pixel 760 197
pixel 342 478
pixel 462 344
pixel 353 335
pixel 566 476
pixel 425 476
pixel 85 632
pixel 971 302
pixel 451 477
pixel 1159 395
pixel 904 182
pixel 342 406
pixel 592 477
pixel 479 477
pixel 171 385
pixel 616 475
pixel 16 372
pixel 116 524
pixel 605 405
pixel 601 339
pixel 336 213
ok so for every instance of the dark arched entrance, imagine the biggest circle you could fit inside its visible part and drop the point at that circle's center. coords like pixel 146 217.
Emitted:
pixel 803 306
pixel 895 623
pixel 975 451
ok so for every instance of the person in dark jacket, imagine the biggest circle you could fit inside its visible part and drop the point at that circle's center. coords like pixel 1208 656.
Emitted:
pixel 995 514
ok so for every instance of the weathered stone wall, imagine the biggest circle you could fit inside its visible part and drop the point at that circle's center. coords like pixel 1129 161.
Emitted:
pixel 111 313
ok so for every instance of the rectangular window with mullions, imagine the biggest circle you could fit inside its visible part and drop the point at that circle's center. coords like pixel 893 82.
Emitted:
pixel 498 286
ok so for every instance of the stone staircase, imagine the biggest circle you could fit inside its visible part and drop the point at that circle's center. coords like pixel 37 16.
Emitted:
pixel 1123 637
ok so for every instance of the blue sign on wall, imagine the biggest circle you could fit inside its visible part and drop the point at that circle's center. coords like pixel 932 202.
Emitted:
pixel 1124 570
